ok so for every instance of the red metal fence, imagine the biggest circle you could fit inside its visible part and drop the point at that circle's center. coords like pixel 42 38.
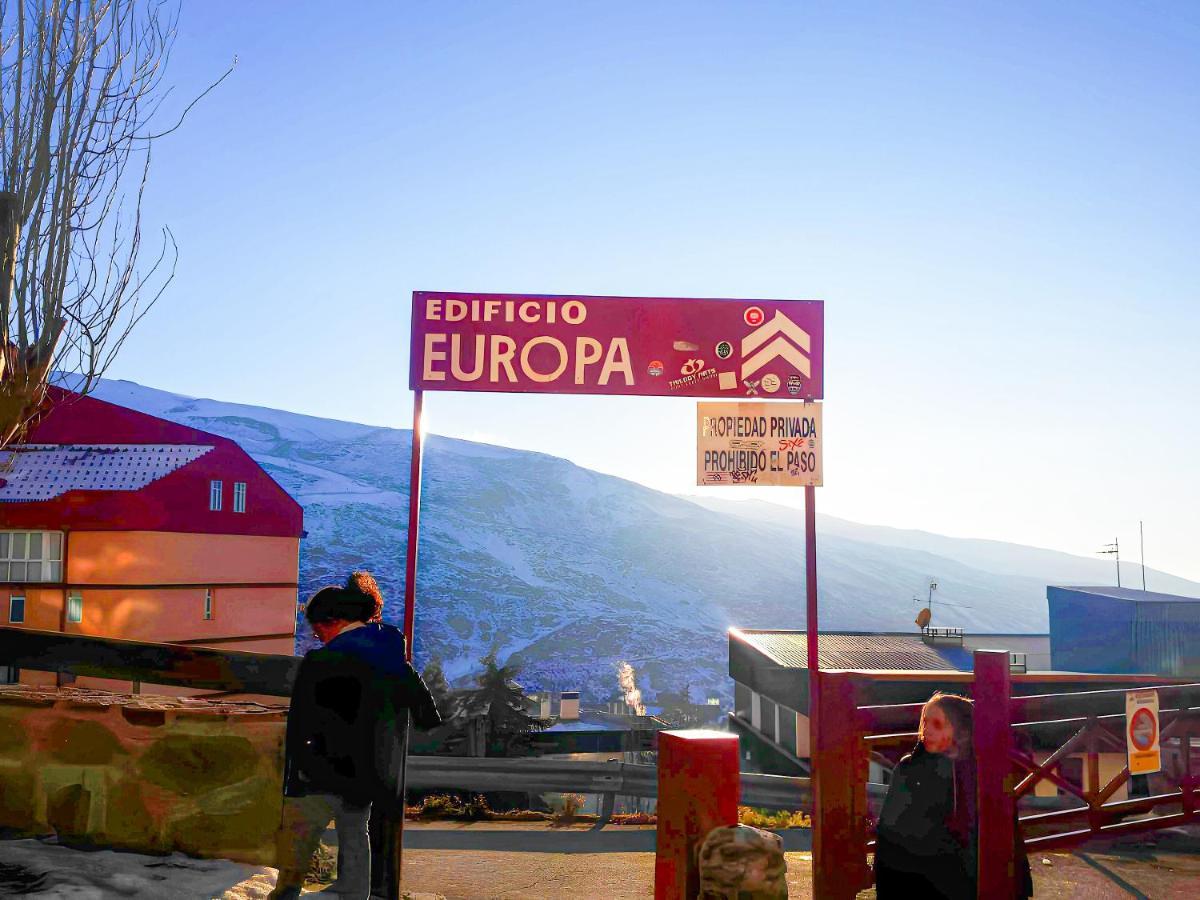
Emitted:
pixel 1011 733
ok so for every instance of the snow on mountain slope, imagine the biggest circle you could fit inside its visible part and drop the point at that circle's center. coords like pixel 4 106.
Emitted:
pixel 571 571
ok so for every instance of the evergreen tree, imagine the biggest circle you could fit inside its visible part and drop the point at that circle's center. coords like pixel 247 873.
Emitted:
pixel 500 700
pixel 435 680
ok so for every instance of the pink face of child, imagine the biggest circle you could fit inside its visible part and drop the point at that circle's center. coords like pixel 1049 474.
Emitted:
pixel 936 731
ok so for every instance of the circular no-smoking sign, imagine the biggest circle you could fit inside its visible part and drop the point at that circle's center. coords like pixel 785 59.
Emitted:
pixel 754 316
pixel 1143 729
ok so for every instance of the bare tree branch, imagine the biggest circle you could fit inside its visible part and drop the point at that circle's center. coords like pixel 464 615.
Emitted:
pixel 81 84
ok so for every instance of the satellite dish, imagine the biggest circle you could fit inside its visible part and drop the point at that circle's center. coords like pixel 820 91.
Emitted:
pixel 923 618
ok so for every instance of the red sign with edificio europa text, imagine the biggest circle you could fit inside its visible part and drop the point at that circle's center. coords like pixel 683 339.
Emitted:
pixel 651 346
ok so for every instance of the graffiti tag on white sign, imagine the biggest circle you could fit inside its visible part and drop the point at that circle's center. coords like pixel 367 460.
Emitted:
pixel 767 444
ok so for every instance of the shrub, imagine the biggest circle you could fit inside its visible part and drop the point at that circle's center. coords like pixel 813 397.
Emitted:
pixel 322 868
pixel 476 809
pixel 759 818
pixel 567 810
pixel 440 806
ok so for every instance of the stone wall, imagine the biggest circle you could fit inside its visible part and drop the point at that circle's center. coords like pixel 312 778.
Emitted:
pixel 142 772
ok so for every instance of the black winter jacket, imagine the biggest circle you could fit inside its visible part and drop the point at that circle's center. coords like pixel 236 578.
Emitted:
pixel 348 724
pixel 928 829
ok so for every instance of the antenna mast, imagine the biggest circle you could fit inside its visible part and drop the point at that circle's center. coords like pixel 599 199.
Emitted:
pixel 1113 549
pixel 1142 540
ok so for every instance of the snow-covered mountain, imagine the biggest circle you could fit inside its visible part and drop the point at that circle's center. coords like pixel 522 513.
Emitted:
pixel 571 571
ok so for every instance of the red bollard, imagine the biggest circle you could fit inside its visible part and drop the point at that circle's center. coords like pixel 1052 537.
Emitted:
pixel 698 790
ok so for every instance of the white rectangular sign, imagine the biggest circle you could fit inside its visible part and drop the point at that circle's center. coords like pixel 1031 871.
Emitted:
pixel 769 444
pixel 1141 732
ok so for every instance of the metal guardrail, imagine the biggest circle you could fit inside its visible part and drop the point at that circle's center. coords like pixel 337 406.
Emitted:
pixel 614 778
pixel 610 779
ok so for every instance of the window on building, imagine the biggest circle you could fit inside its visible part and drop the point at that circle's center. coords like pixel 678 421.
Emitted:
pixel 215 490
pixel 74 607
pixel 239 496
pixel 16 608
pixel 208 603
pixel 10 675
pixel 27 556
pixel 787 728
pixel 768 718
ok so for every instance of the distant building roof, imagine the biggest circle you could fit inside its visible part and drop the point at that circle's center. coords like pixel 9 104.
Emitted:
pixel 1124 593
pixel 597 720
pixel 858 650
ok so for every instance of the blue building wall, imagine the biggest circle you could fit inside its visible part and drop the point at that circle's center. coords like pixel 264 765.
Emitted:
pixel 1090 632
pixel 1166 638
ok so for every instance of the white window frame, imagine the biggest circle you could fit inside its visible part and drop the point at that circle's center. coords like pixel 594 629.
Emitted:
pixel 45 567
pixel 216 491
pixel 12 598
pixel 239 496
pixel 75 607
pixel 208 604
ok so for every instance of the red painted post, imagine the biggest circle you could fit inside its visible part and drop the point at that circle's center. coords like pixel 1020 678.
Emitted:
pixel 392 841
pixel 994 774
pixel 839 773
pixel 811 629
pixel 698 790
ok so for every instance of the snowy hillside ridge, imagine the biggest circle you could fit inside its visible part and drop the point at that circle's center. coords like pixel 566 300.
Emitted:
pixel 995 556
pixel 571 572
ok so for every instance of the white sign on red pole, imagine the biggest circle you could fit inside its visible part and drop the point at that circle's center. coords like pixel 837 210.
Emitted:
pixel 764 444
pixel 1142 731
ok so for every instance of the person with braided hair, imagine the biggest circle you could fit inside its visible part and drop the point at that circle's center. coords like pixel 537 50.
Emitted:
pixel 347 735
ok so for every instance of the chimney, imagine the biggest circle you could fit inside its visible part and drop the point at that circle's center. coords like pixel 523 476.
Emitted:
pixel 568 710
pixel 539 704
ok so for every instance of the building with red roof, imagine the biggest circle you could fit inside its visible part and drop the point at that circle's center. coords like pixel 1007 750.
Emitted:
pixel 116 523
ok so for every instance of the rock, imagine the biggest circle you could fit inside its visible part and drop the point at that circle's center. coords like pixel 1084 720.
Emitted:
pixel 742 863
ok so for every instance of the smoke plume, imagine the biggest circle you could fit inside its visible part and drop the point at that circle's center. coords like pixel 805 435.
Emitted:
pixel 633 697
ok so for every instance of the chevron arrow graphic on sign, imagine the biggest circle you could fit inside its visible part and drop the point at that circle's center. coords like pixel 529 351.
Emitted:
pixel 781 328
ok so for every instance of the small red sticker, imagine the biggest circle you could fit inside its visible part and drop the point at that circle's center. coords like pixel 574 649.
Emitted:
pixel 753 316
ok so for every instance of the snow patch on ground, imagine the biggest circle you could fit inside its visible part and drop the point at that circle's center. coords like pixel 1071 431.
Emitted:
pixel 62 872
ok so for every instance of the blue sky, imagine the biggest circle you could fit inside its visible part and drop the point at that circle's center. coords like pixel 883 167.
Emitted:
pixel 997 203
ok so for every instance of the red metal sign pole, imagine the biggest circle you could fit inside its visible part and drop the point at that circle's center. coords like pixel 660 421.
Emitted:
pixel 811 632
pixel 414 520
pixel 393 840
pixel 810 585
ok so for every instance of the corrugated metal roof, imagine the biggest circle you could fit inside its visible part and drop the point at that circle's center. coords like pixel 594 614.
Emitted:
pixel 1131 594
pixel 39 472
pixel 851 651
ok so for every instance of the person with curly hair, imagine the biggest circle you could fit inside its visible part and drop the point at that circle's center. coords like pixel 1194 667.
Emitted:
pixel 347 735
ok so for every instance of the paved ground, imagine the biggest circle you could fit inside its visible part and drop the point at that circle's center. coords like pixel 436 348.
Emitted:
pixel 1166 866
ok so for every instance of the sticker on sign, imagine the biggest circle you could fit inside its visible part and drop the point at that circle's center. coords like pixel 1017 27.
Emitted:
pixel 766 444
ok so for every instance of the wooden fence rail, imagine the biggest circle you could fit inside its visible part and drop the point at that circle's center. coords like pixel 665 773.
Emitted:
pixel 234 671
pixel 1082 723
